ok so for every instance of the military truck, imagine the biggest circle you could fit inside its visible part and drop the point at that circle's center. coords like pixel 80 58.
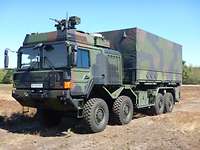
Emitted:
pixel 97 76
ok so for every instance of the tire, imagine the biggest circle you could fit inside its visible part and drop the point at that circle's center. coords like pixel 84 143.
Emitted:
pixel 95 115
pixel 169 102
pixel 159 106
pixel 49 118
pixel 122 110
pixel 178 100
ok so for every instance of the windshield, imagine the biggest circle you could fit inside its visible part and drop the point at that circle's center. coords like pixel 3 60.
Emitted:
pixel 29 58
pixel 54 56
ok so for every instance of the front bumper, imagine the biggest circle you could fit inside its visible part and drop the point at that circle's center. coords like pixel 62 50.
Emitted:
pixel 59 100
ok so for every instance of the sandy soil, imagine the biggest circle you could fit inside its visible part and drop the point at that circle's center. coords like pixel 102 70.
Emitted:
pixel 179 130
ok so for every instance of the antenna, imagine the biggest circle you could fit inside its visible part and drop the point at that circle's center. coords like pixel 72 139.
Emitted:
pixel 57 21
pixel 66 25
pixel 66 22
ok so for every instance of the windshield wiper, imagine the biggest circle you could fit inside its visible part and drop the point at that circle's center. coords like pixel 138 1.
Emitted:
pixel 49 63
pixel 32 66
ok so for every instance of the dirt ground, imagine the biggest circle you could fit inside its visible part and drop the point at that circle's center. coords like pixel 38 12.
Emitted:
pixel 179 130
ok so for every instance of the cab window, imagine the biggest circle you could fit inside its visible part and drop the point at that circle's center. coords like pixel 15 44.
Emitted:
pixel 83 59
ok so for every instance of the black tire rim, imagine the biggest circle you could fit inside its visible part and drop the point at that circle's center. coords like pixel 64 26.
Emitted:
pixel 99 115
pixel 126 110
pixel 169 103
pixel 160 103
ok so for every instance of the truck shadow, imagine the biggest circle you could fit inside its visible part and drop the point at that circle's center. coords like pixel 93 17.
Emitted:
pixel 25 124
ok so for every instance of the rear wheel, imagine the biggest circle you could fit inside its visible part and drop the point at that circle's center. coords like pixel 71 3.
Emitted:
pixel 159 106
pixel 96 114
pixel 123 110
pixel 169 102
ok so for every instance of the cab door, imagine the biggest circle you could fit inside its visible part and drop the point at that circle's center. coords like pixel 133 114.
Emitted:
pixel 80 75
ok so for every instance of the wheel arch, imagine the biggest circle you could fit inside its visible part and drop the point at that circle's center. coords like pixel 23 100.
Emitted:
pixel 97 91
pixel 131 94
pixel 109 94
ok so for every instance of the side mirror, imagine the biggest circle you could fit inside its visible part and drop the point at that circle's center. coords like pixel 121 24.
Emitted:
pixel 6 59
pixel 74 55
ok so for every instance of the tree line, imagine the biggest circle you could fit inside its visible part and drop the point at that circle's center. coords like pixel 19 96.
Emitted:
pixel 191 74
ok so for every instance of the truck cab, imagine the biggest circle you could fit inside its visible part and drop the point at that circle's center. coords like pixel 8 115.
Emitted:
pixel 58 71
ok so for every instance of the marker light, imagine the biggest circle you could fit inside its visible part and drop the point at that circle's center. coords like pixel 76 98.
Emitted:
pixel 67 85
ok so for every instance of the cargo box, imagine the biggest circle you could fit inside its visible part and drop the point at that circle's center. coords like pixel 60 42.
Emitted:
pixel 146 57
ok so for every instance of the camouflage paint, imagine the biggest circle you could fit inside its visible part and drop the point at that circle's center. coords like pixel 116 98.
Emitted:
pixel 105 69
pixel 146 57
pixel 70 35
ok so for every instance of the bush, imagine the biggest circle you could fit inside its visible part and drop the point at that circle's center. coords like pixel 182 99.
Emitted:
pixel 187 70
pixel 191 75
pixel 6 76
pixel 195 76
pixel 2 74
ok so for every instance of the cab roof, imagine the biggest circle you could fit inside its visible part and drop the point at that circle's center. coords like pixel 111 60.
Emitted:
pixel 67 35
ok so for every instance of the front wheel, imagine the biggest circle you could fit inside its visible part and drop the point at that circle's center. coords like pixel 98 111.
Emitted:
pixel 96 114
pixel 123 110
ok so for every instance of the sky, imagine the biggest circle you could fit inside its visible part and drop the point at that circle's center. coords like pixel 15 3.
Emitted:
pixel 176 20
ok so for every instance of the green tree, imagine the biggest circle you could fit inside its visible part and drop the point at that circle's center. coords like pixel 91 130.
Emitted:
pixel 7 79
pixel 187 70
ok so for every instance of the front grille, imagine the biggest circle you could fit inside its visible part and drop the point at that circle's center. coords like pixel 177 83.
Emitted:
pixel 49 79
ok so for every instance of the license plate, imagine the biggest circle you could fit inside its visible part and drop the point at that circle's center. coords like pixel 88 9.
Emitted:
pixel 37 85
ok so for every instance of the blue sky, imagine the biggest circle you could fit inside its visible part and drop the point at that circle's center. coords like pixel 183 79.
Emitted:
pixel 176 20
